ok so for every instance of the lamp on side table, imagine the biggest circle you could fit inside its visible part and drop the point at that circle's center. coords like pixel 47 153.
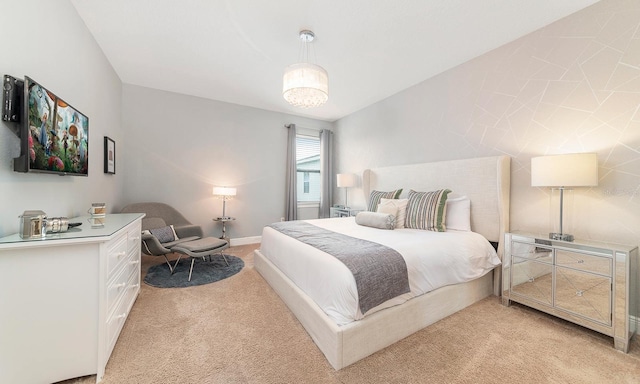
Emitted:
pixel 561 172
pixel 346 180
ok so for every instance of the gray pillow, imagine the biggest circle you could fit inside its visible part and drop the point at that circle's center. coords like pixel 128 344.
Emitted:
pixel 376 220
pixel 164 234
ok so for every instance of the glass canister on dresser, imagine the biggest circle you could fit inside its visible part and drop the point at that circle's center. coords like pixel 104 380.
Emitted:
pixel 33 224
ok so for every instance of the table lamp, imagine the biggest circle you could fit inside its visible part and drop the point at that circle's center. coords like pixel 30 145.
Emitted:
pixel 346 180
pixel 562 171
pixel 224 193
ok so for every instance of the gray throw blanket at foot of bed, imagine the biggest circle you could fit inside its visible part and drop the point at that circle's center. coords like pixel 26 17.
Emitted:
pixel 380 272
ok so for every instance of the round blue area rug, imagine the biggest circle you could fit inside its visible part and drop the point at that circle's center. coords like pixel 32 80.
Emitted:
pixel 204 272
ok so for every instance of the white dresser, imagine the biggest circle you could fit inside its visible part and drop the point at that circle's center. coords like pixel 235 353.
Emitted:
pixel 65 298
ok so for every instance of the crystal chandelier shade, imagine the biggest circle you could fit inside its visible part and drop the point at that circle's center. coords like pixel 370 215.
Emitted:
pixel 305 85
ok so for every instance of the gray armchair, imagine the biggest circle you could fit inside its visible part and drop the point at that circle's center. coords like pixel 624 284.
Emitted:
pixel 159 215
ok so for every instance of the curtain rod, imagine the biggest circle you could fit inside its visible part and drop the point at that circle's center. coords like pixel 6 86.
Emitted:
pixel 307 128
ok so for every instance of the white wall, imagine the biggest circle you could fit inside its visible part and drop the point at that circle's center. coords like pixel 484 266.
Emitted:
pixel 178 147
pixel 573 86
pixel 47 41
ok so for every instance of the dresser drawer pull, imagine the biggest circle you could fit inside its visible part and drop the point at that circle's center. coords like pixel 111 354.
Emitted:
pixel 120 316
pixel 134 262
pixel 135 238
pixel 135 286
pixel 119 254
pixel 120 285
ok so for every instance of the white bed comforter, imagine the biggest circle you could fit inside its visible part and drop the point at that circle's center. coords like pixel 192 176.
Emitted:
pixel 434 259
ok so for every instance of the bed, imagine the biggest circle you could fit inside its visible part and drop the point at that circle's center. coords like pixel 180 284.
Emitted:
pixel 347 339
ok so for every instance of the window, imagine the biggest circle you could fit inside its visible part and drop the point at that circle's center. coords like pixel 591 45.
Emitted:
pixel 308 168
pixel 306 182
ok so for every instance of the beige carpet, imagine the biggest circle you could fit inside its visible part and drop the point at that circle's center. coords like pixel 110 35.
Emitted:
pixel 238 331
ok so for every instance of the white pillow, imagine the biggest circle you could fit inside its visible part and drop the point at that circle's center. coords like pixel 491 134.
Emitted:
pixel 389 209
pixel 399 205
pixel 458 214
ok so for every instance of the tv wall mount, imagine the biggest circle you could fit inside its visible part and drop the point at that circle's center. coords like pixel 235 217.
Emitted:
pixel 12 92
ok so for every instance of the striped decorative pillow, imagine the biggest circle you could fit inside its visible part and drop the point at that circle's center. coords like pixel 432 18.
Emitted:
pixel 426 210
pixel 375 196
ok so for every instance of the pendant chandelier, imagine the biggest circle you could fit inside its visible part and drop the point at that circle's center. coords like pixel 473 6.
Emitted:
pixel 304 84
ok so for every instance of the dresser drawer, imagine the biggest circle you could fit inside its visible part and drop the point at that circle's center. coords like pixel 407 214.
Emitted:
pixel 116 320
pixel 133 237
pixel 584 262
pixel 118 286
pixel 116 254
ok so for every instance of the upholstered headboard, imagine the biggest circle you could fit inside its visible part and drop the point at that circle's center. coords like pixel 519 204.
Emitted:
pixel 486 181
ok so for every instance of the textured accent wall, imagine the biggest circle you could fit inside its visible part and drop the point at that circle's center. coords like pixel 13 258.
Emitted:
pixel 573 86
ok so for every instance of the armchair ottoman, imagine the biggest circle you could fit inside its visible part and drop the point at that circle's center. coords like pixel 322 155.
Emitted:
pixel 204 247
pixel 190 240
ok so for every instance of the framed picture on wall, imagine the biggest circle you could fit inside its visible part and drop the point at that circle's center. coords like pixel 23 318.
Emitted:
pixel 109 156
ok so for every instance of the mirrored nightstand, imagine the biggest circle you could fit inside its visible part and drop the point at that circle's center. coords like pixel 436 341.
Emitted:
pixel 589 283
pixel 344 211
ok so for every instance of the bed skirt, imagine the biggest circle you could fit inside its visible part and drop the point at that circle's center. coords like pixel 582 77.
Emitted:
pixel 343 346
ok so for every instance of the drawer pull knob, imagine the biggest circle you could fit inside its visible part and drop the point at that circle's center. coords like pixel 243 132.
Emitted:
pixel 120 316
pixel 135 286
pixel 134 262
pixel 120 285
pixel 579 293
pixel 120 254
pixel 135 238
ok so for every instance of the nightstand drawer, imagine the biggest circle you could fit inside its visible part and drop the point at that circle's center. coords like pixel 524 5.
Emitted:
pixel 584 262
pixel 584 294
pixel 532 279
pixel 536 252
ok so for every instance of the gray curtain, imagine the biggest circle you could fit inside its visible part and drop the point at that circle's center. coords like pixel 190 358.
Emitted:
pixel 326 173
pixel 291 195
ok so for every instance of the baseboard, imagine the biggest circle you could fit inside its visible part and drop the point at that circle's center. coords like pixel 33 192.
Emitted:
pixel 245 240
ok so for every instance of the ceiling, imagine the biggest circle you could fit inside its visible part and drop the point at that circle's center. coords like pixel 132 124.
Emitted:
pixel 236 50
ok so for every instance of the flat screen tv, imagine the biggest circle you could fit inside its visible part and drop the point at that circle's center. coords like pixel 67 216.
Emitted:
pixel 54 135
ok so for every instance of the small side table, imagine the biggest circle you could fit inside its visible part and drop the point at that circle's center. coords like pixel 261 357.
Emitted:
pixel 343 212
pixel 224 221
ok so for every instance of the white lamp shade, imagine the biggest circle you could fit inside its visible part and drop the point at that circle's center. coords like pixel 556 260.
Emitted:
pixel 570 170
pixel 345 180
pixel 224 191
pixel 305 85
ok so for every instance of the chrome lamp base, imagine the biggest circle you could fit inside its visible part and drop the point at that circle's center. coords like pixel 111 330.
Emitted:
pixel 561 236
